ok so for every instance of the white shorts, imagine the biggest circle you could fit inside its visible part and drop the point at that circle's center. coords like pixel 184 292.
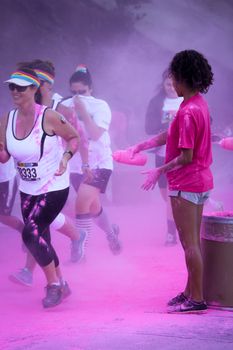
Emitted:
pixel 194 197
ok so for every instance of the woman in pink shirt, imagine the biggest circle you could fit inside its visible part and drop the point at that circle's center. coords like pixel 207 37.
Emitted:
pixel 187 166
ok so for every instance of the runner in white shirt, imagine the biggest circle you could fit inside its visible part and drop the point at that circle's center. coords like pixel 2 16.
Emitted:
pixel 31 135
pixel 45 96
pixel 95 118
pixel 160 112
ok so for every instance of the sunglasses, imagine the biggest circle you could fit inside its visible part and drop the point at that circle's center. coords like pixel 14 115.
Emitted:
pixel 18 88
pixel 80 92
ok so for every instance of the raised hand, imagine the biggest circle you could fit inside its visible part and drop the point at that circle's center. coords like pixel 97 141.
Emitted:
pixel 133 150
pixel 62 167
pixel 152 178
pixel 79 107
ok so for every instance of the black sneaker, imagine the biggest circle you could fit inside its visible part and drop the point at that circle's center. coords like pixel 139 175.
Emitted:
pixel 53 295
pixel 113 240
pixel 189 306
pixel 179 299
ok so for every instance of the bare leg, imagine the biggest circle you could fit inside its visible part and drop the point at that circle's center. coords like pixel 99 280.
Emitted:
pixel 50 273
pixel 30 263
pixel 69 229
pixel 85 197
pixel 187 217
pixel 171 228
pixel 59 274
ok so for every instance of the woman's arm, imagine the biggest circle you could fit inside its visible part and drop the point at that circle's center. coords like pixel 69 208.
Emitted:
pixel 153 175
pixel 68 113
pixel 93 130
pixel 4 155
pixel 56 124
pixel 71 117
pixel 185 157
pixel 156 141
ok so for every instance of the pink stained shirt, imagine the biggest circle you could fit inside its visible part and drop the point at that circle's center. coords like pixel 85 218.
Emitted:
pixel 190 129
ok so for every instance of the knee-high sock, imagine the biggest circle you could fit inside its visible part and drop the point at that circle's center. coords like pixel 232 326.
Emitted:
pixel 102 221
pixel 84 222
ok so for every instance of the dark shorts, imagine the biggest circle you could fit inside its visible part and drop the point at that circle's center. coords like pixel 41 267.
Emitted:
pixel 8 191
pixel 159 161
pixel 100 179
pixel 76 180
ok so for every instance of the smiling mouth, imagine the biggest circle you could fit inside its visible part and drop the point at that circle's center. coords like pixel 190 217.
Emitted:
pixel 16 97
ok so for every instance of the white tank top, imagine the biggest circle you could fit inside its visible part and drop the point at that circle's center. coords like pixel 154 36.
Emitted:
pixel 37 156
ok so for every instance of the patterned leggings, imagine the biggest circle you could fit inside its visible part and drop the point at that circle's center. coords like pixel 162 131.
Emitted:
pixel 38 213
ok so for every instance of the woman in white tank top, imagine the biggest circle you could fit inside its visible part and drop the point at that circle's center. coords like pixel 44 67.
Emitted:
pixel 30 134
pixel 45 96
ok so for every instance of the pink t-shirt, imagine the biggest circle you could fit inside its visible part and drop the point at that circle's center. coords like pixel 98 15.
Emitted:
pixel 191 129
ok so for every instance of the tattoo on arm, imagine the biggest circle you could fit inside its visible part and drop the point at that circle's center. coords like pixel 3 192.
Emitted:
pixel 62 119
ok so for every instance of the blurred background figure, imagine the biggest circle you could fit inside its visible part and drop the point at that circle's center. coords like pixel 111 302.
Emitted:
pixel 160 112
pixel 8 189
pixel 94 115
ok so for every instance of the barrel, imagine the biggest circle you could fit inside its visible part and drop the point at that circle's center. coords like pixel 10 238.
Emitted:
pixel 217 252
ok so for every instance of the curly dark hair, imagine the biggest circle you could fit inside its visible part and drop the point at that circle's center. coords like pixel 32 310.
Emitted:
pixel 45 66
pixel 193 69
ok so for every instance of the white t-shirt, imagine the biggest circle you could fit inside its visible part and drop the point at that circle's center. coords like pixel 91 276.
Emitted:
pixel 7 170
pixel 57 97
pixel 169 109
pixel 99 151
pixel 37 156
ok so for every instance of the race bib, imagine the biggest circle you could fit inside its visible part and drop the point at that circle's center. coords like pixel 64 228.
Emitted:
pixel 28 171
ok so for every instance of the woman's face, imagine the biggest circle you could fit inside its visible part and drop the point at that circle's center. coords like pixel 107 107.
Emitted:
pixel 79 88
pixel 169 88
pixel 178 86
pixel 21 97
pixel 46 90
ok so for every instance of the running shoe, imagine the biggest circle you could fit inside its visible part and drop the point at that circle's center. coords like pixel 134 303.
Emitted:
pixel 66 291
pixel 77 247
pixel 189 306
pixel 53 296
pixel 23 277
pixel 179 299
pixel 113 240
pixel 170 240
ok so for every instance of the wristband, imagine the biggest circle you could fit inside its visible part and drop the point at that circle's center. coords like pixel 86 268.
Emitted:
pixel 69 152
pixel 85 165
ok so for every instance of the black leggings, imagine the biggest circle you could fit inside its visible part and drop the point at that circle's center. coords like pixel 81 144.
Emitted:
pixel 38 213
